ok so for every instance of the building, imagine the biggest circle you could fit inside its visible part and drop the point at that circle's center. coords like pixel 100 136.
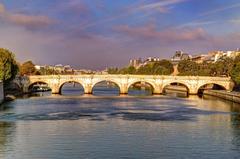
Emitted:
pixel 221 54
pixel 68 69
pixel 152 59
pixel 199 58
pixel 179 56
pixel 135 62
pixel 59 68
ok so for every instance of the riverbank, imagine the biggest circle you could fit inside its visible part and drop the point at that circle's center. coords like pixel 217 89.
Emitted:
pixel 230 96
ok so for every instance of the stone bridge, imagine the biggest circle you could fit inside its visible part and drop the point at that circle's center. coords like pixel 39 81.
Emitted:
pixel 158 83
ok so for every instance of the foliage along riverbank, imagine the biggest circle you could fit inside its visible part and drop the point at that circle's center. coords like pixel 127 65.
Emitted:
pixel 224 67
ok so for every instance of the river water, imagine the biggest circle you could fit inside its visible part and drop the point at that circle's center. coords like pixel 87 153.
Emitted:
pixel 128 127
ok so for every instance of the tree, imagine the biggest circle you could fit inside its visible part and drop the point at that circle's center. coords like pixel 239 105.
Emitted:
pixel 8 66
pixel 145 70
pixel 27 68
pixel 188 68
pixel 224 66
pixel 163 67
pixel 235 73
pixel 112 70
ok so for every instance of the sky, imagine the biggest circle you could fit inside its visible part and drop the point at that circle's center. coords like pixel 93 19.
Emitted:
pixel 95 34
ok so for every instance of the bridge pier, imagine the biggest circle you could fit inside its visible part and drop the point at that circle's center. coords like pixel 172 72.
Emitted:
pixel 124 89
pixel 88 89
pixel 158 89
pixel 55 89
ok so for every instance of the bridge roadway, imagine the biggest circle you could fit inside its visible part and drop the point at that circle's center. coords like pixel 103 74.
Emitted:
pixel 158 83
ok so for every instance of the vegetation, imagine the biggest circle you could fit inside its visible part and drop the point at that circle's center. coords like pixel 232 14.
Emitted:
pixel 28 68
pixel 235 73
pixel 46 71
pixel 163 67
pixel 8 66
pixel 223 67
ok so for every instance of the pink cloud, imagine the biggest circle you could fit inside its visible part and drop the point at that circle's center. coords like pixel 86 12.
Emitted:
pixel 2 8
pixel 32 21
pixel 76 7
pixel 29 21
pixel 169 35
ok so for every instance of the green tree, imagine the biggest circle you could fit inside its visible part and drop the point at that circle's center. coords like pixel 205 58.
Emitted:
pixel 145 70
pixel 8 66
pixel 235 73
pixel 163 67
pixel 27 68
pixel 188 68
pixel 224 66
pixel 113 70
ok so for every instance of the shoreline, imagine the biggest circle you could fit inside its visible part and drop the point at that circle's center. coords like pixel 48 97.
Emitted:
pixel 230 96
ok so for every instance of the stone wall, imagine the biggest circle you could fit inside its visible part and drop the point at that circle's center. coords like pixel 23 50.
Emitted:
pixel 1 92
pixel 231 96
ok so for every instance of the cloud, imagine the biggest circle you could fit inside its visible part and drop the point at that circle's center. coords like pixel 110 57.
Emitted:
pixel 75 6
pixel 146 9
pixel 94 51
pixel 197 23
pixel 31 21
pixel 162 6
pixel 150 32
pixel 2 9
pixel 235 21
pixel 221 9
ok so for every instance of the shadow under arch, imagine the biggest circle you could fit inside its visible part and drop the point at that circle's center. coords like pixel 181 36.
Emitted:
pixel 106 88
pixel 177 89
pixel 71 88
pixel 140 88
pixel 210 86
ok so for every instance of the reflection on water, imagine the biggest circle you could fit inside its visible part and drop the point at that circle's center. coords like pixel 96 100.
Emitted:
pixel 94 126
pixel 7 134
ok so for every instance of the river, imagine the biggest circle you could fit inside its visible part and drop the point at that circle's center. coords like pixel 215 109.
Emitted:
pixel 134 126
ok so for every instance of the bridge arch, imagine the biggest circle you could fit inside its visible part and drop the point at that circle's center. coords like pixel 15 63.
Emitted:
pixel 177 83
pixel 214 85
pixel 30 86
pixel 115 83
pixel 150 83
pixel 70 81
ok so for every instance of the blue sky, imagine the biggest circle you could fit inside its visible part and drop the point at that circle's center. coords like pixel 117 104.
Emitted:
pixel 97 34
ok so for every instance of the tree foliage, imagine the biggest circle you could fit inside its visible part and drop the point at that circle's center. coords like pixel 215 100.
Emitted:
pixel 28 68
pixel 235 73
pixel 8 66
pixel 163 67
pixel 223 67
pixel 188 68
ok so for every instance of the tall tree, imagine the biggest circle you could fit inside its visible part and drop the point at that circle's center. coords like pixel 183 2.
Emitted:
pixel 8 66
